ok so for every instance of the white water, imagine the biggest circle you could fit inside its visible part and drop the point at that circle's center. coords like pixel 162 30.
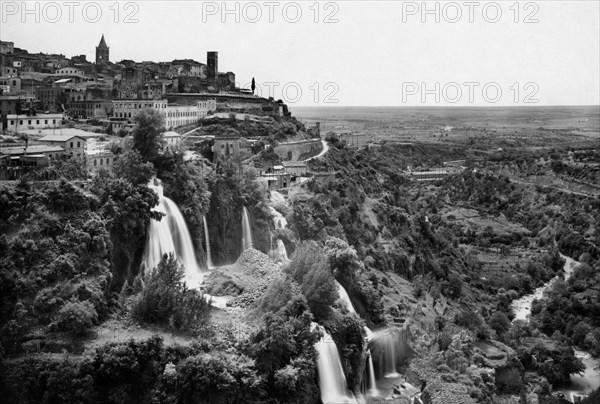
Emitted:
pixel 384 344
pixel 279 253
pixel 209 263
pixel 246 231
pixel 522 307
pixel 171 235
pixel 332 381
pixel 345 298
pixel 372 383
pixel 580 384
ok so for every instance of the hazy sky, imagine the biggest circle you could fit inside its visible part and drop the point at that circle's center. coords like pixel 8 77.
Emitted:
pixel 354 52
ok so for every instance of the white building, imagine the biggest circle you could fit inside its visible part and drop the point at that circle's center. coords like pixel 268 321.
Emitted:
pixel 179 115
pixel 39 121
pixel 129 108
pixel 172 140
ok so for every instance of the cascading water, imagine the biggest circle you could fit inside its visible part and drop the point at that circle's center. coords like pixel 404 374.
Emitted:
pixel 372 384
pixel 279 221
pixel 345 298
pixel 246 230
pixel 384 344
pixel 279 253
pixel 209 263
pixel 171 235
pixel 332 381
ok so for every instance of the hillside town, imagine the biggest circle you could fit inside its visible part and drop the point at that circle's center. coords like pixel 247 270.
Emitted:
pixel 55 107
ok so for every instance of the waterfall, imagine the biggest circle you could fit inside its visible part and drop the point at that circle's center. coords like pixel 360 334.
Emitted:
pixel 209 263
pixel 171 235
pixel 279 221
pixel 332 381
pixel 246 230
pixel 384 349
pixel 280 253
pixel 345 298
pixel 372 384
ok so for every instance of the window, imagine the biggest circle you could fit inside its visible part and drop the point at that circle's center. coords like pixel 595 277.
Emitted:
pixel 20 122
pixel 95 162
pixel 78 144
pixel 100 161
pixel 46 121
pixel 54 121
pixel 37 121
pixel 12 122
pixel 29 122
pixel 71 145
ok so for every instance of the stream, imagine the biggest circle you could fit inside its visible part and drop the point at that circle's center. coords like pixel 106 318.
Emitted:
pixel 581 384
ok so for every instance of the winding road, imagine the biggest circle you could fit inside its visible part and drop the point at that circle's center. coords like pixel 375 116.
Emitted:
pixel 325 150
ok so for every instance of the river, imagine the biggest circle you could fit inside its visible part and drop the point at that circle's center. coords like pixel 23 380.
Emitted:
pixel 581 384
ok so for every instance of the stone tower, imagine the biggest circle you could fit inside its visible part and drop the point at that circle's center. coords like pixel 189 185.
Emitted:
pixel 102 52
pixel 212 68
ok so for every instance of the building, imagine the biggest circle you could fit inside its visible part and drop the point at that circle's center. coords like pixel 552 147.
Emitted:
pixel 174 115
pixel 72 145
pixel 7 47
pixel 90 109
pixel 102 52
pixel 295 168
pixel 181 115
pixel 129 108
pixel 172 140
pixel 10 84
pixel 70 71
pixel 99 158
pixel 39 121
pixel 8 104
pixel 433 175
pixel 9 71
pixel 212 69
pixel 354 140
pixel 51 152
pixel 226 147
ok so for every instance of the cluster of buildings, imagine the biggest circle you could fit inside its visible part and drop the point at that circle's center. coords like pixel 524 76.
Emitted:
pixel 109 92
pixel 17 160
pixel 42 93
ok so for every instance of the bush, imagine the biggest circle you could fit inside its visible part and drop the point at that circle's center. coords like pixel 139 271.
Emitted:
pixel 76 317
pixel 309 268
pixel 499 322
pixel 165 299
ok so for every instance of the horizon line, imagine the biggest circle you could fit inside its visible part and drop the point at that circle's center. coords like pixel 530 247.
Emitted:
pixel 444 106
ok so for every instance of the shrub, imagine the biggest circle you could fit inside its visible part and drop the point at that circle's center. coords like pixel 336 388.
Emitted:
pixel 165 299
pixel 76 317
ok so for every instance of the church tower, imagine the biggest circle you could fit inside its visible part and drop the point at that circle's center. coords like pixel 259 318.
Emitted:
pixel 102 52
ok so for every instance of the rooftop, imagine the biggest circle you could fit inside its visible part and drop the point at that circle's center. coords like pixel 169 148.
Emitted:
pixel 35 149
pixel 171 134
pixel 57 138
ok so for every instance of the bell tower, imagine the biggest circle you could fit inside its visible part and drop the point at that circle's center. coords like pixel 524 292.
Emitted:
pixel 102 52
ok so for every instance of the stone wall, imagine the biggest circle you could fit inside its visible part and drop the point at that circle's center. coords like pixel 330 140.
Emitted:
pixel 293 150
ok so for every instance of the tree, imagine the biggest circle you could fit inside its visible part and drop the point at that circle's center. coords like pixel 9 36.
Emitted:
pixel 310 269
pixel 499 322
pixel 166 300
pixel 132 167
pixel 253 86
pixel 147 138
